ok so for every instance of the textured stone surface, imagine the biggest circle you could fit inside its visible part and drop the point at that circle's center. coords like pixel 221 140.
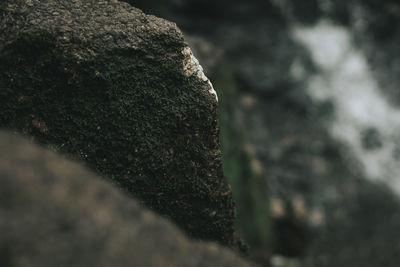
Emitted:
pixel 103 82
pixel 54 212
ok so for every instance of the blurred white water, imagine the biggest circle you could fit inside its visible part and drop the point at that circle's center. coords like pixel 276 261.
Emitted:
pixel 345 78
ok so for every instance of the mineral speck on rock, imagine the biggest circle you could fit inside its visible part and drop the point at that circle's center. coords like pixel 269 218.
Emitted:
pixel 191 66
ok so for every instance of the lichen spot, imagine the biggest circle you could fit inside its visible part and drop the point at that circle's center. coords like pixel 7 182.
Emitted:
pixel 191 66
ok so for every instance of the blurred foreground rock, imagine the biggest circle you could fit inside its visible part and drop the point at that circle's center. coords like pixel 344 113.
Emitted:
pixel 54 212
pixel 104 83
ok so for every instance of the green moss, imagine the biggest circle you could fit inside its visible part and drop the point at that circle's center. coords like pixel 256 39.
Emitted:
pixel 249 189
pixel 135 119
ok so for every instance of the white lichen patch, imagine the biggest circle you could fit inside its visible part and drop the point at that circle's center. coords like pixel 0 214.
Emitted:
pixel 191 66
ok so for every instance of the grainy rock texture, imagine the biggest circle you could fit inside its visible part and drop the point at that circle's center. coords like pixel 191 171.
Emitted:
pixel 54 212
pixel 103 82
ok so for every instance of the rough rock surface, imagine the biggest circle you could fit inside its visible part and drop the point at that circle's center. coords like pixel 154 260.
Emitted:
pixel 54 212
pixel 103 82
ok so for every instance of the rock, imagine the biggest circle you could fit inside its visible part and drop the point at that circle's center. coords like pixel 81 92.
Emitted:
pixel 54 212
pixel 104 83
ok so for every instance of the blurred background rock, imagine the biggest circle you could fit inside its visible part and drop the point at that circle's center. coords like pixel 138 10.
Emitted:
pixel 309 114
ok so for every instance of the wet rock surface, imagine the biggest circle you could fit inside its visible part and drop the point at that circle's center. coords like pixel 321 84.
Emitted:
pixel 54 212
pixel 104 83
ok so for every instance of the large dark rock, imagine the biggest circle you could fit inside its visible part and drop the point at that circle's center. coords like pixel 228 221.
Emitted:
pixel 102 82
pixel 54 212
